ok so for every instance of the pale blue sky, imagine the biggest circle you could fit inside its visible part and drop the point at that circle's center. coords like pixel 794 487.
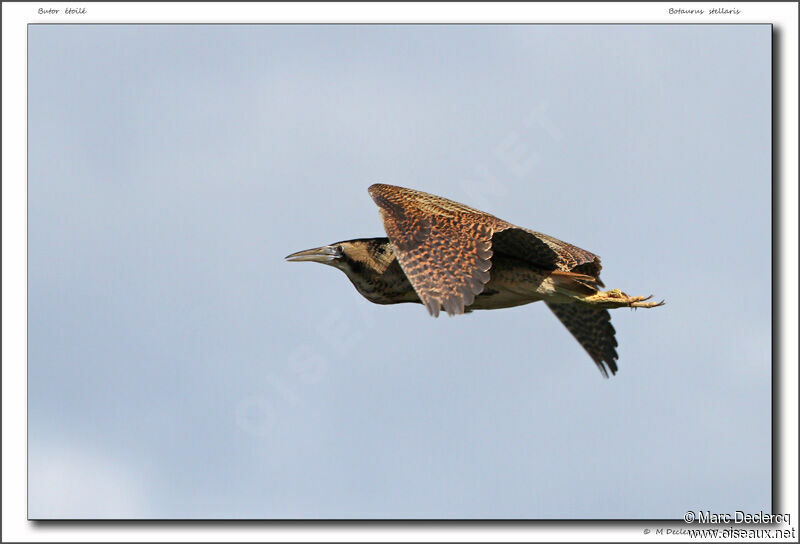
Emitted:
pixel 178 367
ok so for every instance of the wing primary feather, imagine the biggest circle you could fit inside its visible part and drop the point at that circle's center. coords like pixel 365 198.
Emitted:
pixel 593 330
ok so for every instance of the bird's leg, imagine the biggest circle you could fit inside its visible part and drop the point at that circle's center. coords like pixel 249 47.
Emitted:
pixel 614 298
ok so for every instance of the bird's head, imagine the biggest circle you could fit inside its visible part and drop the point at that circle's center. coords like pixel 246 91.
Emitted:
pixel 351 256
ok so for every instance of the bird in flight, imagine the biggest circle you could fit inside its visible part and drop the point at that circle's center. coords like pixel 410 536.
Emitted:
pixel 451 257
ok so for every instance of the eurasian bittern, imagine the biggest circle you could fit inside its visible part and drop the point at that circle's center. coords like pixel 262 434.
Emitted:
pixel 449 256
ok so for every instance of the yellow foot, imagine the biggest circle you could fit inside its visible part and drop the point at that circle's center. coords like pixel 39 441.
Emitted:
pixel 614 298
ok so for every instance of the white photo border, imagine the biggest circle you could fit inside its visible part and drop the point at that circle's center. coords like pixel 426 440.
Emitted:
pixel 16 18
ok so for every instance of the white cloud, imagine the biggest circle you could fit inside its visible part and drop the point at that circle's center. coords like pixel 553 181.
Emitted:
pixel 66 480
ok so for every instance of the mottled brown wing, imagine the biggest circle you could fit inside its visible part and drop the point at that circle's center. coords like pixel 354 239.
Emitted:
pixel 443 247
pixel 545 251
pixel 592 328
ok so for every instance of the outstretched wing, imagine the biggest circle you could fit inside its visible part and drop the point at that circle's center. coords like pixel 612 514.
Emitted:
pixel 592 328
pixel 443 247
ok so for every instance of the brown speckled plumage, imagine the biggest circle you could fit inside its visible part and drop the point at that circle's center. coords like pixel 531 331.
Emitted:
pixel 593 330
pixel 451 257
pixel 445 248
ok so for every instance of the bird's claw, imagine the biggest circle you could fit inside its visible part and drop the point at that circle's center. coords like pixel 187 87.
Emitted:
pixel 640 303
pixel 614 298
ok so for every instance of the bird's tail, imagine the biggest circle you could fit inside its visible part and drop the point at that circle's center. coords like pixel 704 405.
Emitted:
pixel 574 283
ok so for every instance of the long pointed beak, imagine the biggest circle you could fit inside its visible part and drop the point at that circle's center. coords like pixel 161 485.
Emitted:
pixel 324 254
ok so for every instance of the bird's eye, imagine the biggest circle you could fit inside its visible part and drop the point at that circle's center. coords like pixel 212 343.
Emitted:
pixel 339 251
